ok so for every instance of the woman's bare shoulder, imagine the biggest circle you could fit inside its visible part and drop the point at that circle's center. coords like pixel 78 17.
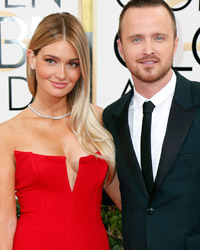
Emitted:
pixel 10 129
pixel 98 112
pixel 9 124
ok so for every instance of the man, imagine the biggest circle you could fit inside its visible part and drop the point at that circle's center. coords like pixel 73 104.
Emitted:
pixel 160 186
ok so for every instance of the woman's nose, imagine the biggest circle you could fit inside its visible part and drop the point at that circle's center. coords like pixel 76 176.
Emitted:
pixel 61 72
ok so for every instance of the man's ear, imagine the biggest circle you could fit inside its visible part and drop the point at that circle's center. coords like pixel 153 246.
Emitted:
pixel 176 44
pixel 120 49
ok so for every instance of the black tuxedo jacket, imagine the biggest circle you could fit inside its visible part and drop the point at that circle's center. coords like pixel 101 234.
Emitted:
pixel 170 219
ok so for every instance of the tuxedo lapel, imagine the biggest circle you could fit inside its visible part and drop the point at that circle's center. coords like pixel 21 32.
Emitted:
pixel 180 118
pixel 125 142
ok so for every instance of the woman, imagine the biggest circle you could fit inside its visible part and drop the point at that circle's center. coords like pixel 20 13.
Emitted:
pixel 55 153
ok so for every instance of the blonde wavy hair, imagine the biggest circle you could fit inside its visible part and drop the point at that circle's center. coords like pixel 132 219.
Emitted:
pixel 83 120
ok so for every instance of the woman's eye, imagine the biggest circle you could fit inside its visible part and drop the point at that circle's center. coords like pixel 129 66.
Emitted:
pixel 73 64
pixel 50 61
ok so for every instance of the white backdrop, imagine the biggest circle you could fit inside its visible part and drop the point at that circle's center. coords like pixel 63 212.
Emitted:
pixel 18 19
pixel 112 76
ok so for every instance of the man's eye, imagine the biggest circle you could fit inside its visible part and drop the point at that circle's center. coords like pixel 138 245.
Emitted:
pixel 159 38
pixel 136 39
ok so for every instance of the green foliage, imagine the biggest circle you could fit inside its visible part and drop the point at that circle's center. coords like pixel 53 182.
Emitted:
pixel 112 220
pixel 17 208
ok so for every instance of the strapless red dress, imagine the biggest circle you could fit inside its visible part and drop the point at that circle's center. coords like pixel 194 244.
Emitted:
pixel 52 216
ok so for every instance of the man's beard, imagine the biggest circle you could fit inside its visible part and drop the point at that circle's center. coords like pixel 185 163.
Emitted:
pixel 149 74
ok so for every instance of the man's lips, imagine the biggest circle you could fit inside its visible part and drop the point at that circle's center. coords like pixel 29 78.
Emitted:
pixel 149 61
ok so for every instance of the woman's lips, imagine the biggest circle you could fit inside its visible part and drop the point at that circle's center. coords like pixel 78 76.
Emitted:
pixel 59 84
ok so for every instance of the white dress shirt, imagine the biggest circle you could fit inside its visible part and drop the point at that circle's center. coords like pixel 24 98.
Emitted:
pixel 162 101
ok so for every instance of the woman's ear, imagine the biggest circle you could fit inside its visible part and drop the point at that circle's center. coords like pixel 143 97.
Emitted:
pixel 31 58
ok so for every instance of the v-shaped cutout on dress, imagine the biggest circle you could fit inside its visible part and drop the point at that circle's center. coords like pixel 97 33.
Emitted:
pixel 78 172
pixel 67 173
pixel 65 158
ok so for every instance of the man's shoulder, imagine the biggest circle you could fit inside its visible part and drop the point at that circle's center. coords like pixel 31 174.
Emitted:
pixel 119 103
pixel 195 84
pixel 187 89
pixel 116 108
pixel 195 91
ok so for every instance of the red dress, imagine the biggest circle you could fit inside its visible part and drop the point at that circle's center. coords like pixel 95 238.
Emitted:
pixel 52 216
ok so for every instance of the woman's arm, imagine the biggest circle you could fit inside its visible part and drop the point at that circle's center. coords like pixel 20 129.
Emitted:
pixel 113 192
pixel 8 218
pixel 112 189
pixel 98 113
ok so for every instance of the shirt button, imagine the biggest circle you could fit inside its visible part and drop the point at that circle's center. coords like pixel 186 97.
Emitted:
pixel 150 211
